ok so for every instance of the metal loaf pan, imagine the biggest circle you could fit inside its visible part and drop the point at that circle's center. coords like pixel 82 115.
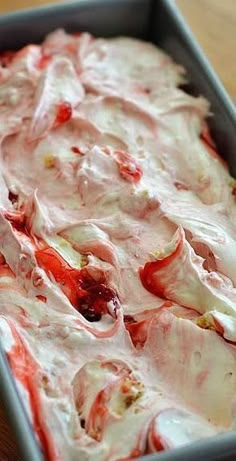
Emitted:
pixel 158 21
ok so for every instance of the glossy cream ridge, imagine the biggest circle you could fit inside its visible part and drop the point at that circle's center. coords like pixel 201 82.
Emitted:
pixel 118 253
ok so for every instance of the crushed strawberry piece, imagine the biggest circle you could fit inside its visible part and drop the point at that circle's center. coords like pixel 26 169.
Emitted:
pixel 12 197
pixel 64 113
pixel 76 150
pixel 88 296
pixel 42 298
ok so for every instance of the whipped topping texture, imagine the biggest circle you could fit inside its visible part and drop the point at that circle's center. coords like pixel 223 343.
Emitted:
pixel 117 250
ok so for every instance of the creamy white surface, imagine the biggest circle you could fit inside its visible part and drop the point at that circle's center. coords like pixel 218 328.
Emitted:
pixel 178 373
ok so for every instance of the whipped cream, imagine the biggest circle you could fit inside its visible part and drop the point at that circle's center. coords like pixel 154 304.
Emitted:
pixel 118 250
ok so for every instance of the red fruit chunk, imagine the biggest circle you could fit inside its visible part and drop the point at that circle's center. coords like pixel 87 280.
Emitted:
pixel 76 150
pixel 94 303
pixel 64 113
pixel 88 296
pixel 129 319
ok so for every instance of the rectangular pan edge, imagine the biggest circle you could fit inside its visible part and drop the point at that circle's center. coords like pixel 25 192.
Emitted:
pixel 101 17
pixel 164 25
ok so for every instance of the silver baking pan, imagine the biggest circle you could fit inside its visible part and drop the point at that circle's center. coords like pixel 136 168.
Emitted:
pixel 158 21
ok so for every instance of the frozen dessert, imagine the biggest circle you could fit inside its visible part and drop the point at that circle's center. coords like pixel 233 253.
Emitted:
pixel 117 250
